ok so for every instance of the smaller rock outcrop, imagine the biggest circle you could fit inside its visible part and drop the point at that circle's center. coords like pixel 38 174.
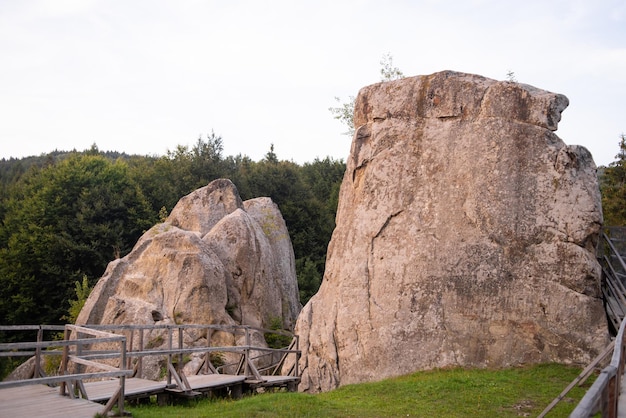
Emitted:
pixel 215 260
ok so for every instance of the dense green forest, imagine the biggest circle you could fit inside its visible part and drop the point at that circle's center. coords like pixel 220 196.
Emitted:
pixel 66 215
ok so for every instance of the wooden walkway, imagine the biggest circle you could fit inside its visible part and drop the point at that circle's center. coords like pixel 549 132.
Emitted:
pixel 102 391
pixel 43 401
pixel 135 388
pixel 207 382
pixel 289 382
pixel 101 376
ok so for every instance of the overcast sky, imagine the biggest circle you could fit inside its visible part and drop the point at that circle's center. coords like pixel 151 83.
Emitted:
pixel 143 76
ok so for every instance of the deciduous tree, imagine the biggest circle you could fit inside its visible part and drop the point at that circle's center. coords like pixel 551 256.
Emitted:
pixel 63 222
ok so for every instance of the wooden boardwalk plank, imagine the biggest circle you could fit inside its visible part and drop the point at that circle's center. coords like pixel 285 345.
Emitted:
pixel 212 381
pixel 43 401
pixel 274 380
pixel 290 382
pixel 102 391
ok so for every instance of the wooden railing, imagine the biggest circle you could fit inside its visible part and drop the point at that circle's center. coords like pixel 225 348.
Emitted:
pixel 613 276
pixel 105 351
pixel 603 396
pixel 272 359
pixel 7 350
pixel 76 340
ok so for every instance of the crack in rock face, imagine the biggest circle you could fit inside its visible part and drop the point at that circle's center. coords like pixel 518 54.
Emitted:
pixel 465 236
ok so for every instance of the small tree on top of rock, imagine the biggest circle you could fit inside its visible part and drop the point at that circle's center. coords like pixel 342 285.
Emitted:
pixel 510 76
pixel 388 72
pixel 345 112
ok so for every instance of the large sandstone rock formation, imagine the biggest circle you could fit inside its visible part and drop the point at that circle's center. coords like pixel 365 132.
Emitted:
pixel 465 236
pixel 215 260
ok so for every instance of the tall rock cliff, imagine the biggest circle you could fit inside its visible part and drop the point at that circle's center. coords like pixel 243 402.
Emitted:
pixel 215 260
pixel 465 237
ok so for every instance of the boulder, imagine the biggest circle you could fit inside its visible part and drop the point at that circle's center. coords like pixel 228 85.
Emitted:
pixel 465 236
pixel 268 216
pixel 215 260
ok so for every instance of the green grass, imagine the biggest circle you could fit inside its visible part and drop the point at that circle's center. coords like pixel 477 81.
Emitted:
pixel 514 392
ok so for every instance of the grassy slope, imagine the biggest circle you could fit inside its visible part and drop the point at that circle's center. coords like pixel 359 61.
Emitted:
pixel 523 391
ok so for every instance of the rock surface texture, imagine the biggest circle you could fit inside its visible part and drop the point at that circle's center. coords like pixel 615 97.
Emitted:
pixel 465 236
pixel 215 260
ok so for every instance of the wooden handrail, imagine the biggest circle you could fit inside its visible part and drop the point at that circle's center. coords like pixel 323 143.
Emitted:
pixel 63 378
pixel 81 347
pixel 603 395
pixel 614 250
pixel 32 327
pixel 66 379
pixel 175 330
